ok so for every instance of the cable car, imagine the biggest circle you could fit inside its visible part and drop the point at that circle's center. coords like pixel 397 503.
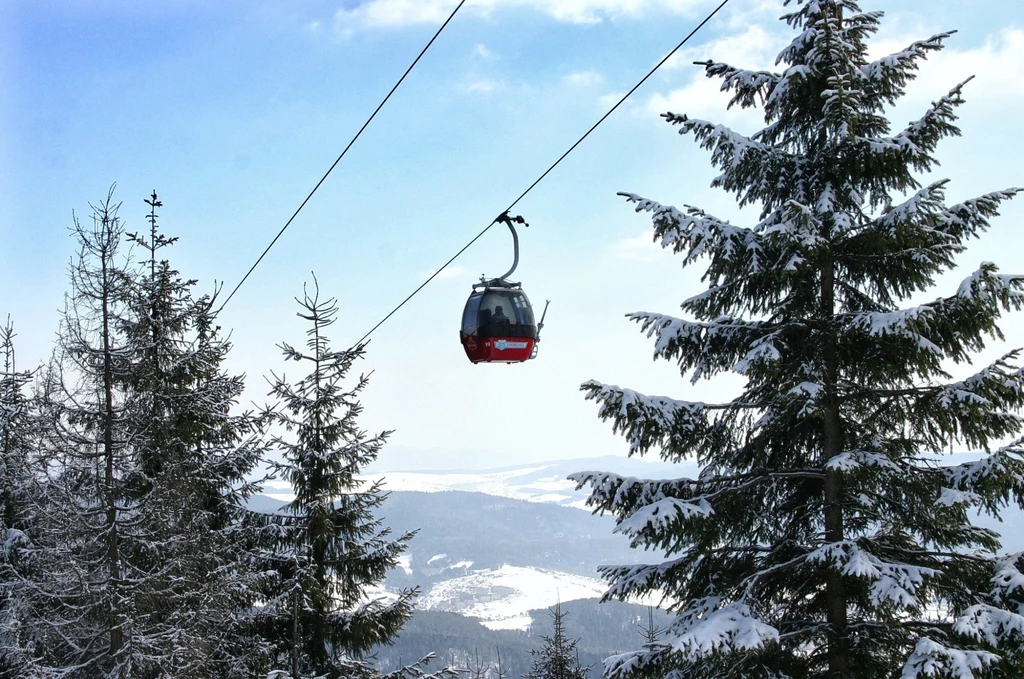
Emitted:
pixel 498 324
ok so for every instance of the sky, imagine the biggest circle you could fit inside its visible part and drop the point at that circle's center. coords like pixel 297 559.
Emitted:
pixel 232 111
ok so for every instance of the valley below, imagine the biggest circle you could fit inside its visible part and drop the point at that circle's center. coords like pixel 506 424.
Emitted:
pixel 492 551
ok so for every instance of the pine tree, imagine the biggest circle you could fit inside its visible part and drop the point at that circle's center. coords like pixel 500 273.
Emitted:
pixel 650 632
pixel 557 658
pixel 329 547
pixel 824 536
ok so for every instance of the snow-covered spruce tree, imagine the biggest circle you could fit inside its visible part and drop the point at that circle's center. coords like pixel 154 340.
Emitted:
pixel 86 588
pixel 557 657
pixel 824 536
pixel 192 457
pixel 140 576
pixel 18 420
pixel 329 548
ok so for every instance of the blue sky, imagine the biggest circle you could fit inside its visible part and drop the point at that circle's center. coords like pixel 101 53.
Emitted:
pixel 233 110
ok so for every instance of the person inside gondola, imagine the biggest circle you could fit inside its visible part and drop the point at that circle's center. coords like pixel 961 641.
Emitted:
pixel 499 316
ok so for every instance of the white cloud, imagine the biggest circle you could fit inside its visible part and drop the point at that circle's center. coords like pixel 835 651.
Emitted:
pixel 584 78
pixel 397 13
pixel 482 86
pixel 610 99
pixel 755 48
pixel 583 11
pixel 641 248
pixel 392 13
pixel 481 51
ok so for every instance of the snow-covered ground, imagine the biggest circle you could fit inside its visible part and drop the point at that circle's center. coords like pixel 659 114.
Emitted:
pixel 501 597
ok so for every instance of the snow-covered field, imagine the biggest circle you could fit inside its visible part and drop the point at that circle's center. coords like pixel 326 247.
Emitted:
pixel 501 597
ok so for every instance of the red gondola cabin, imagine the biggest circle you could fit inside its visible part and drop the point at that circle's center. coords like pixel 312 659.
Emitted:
pixel 498 326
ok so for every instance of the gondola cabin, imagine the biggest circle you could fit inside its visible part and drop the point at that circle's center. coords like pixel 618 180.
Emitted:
pixel 498 326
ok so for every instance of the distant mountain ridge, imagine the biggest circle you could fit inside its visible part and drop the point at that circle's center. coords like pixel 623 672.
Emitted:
pixel 495 543
pixel 534 482
pixel 460 532
pixel 545 482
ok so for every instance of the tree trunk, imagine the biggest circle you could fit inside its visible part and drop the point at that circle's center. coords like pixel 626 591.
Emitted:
pixel 835 591
pixel 113 560
pixel 295 636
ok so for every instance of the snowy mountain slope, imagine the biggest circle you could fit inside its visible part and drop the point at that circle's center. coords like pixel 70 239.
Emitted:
pixel 495 557
pixel 459 532
pixel 495 543
pixel 547 483
pixel 502 598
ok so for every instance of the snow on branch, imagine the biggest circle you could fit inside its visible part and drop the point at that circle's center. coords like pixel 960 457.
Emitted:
pixel 887 76
pixel 796 221
pixel 711 625
pixel 660 411
pixel 925 204
pixel 623 495
pixel 991 387
pixel 932 659
pixel 697 233
pixel 925 229
pixel 910 323
pixel 708 347
pixel 780 92
pixel 1006 290
pixel 914 144
pixel 647 421
pixel 748 86
pixel 904 60
pixel 990 625
pixel 417 670
pixel 897 583
pixel 730 147
pixel 626 665
pixel 801 44
pixel 633 580
pixel 967 219
pixel 661 515
pixel 755 170
pixel 951 497
pixel 947 328
pixel 991 479
pixel 1008 582
pixel 856 459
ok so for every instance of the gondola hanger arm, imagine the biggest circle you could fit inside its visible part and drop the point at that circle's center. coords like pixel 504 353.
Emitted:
pixel 510 221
